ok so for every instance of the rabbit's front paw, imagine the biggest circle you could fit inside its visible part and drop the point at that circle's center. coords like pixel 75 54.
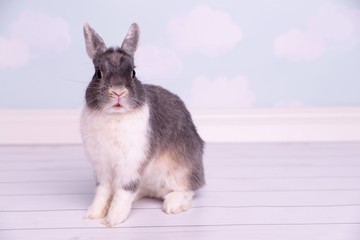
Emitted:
pixel 95 213
pixel 116 215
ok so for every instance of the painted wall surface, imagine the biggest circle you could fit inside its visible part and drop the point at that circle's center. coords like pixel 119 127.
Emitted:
pixel 214 54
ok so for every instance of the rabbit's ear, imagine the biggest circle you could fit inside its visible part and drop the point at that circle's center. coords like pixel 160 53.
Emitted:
pixel 131 40
pixel 94 43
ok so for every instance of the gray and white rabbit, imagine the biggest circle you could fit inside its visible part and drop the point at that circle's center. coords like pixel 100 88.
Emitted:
pixel 140 138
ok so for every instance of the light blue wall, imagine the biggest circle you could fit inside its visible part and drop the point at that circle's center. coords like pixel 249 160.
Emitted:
pixel 276 53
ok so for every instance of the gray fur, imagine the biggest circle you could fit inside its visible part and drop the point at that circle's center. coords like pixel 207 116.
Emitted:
pixel 132 186
pixel 172 130
pixel 131 39
pixel 113 75
pixel 93 42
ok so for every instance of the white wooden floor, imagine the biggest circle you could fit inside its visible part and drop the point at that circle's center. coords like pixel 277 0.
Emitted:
pixel 253 191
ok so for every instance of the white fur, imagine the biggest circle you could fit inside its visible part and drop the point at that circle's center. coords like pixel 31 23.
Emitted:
pixel 120 207
pixel 116 145
pixel 100 204
pixel 177 202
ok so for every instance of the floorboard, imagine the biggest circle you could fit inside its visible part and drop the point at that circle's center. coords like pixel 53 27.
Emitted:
pixel 253 191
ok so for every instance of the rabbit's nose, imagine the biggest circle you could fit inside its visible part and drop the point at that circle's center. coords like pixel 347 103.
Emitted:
pixel 118 92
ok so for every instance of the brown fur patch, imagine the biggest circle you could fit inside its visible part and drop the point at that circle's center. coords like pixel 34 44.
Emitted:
pixel 175 171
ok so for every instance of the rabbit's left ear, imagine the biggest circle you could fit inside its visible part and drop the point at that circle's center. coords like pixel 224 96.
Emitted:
pixel 94 43
pixel 131 40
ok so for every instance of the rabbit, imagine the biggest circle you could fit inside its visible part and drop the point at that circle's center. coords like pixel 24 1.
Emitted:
pixel 139 138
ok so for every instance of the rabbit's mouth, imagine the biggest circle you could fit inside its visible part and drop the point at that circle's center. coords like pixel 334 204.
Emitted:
pixel 117 106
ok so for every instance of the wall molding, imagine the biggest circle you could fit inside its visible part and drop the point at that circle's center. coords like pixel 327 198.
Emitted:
pixel 241 125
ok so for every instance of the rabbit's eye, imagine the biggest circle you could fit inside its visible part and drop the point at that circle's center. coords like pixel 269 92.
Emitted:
pixel 133 74
pixel 98 73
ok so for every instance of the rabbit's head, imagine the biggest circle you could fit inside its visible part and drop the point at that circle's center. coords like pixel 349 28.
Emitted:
pixel 114 87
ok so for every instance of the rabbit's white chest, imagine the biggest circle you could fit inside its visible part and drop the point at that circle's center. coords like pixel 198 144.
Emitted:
pixel 116 145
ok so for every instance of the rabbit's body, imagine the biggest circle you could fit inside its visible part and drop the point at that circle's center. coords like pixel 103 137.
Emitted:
pixel 139 138
pixel 120 146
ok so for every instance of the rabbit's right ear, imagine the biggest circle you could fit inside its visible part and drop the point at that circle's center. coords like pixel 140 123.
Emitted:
pixel 94 43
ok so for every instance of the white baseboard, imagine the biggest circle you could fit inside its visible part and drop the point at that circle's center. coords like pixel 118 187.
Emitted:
pixel 248 125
